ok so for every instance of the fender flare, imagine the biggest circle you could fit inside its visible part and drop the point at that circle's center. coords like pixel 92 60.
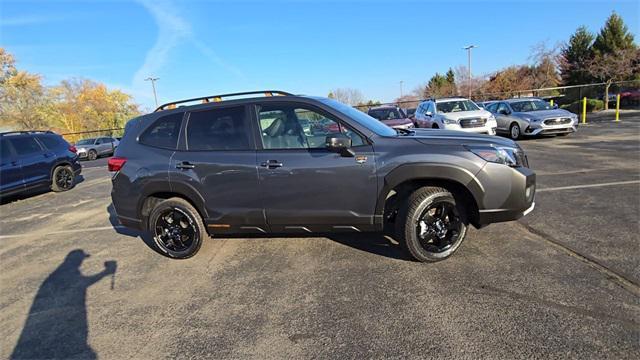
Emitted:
pixel 429 171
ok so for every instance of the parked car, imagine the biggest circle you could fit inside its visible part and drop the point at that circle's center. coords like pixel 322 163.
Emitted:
pixel 455 114
pixel 531 117
pixel 411 113
pixel 92 148
pixel 35 159
pixel 247 166
pixel 392 116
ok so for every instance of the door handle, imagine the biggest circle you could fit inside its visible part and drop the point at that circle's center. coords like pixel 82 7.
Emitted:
pixel 185 165
pixel 271 164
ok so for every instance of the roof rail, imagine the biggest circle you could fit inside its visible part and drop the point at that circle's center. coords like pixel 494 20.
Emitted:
pixel 218 98
pixel 27 132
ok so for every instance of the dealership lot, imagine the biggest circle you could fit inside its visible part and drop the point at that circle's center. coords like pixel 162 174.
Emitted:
pixel 564 281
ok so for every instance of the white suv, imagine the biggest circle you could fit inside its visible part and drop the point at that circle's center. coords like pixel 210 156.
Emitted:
pixel 455 114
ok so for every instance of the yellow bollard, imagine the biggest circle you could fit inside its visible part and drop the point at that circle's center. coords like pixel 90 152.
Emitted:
pixel 618 107
pixel 584 110
pixel 551 102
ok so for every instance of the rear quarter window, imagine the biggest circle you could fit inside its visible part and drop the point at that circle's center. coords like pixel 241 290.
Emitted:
pixel 164 132
pixel 52 142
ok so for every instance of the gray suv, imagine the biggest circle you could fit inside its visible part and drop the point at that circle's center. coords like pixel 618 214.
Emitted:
pixel 300 164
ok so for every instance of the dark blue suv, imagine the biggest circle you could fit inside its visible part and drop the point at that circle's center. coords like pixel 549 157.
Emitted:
pixel 34 159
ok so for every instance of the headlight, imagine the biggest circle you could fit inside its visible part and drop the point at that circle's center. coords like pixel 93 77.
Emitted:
pixel 449 121
pixel 491 118
pixel 499 154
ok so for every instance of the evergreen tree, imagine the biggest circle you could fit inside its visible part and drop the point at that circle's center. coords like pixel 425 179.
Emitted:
pixel 575 56
pixel 613 36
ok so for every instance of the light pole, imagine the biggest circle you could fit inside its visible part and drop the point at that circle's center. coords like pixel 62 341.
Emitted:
pixel 153 86
pixel 468 48
pixel 401 81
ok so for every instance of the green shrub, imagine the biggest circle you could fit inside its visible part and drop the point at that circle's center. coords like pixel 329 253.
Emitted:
pixel 592 105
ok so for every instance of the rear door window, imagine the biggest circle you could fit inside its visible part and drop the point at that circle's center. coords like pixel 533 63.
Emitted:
pixel 164 132
pixel 5 150
pixel 218 129
pixel 26 145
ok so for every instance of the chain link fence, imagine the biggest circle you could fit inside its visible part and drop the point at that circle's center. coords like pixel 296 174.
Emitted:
pixel 73 137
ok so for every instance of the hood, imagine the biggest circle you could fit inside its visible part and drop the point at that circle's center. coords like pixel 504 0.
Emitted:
pixel 467 114
pixel 397 122
pixel 460 137
pixel 544 114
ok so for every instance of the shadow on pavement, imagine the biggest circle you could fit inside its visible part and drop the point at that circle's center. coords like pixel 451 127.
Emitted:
pixel 56 326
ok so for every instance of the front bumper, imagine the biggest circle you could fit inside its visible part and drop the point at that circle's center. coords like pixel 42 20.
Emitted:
pixel 509 193
pixel 550 130
pixel 489 129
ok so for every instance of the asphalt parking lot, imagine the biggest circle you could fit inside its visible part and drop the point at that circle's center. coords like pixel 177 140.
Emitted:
pixel 562 282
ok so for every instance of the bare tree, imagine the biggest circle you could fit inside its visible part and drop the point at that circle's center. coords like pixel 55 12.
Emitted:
pixel 622 64
pixel 347 95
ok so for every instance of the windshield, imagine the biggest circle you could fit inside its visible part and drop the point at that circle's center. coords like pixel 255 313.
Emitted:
pixel 387 114
pixel 456 106
pixel 530 105
pixel 362 118
pixel 86 142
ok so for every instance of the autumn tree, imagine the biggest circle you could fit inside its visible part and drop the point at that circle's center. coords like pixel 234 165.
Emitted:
pixel 22 96
pixel 622 64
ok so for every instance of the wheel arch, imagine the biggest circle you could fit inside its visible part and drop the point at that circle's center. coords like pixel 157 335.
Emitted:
pixel 156 194
pixel 403 180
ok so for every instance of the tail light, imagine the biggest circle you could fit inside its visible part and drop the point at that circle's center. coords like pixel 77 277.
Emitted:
pixel 116 163
pixel 73 149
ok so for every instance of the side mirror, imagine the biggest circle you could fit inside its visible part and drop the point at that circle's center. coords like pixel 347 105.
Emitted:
pixel 503 112
pixel 339 143
pixel 429 113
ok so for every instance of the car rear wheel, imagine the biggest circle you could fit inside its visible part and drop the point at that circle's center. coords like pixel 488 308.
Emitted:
pixel 63 178
pixel 435 126
pixel 177 228
pixel 514 131
pixel 431 225
pixel 92 155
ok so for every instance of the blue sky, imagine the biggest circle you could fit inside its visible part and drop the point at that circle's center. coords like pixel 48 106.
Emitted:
pixel 199 48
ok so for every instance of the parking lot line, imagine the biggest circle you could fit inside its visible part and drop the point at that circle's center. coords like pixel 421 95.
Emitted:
pixel 588 186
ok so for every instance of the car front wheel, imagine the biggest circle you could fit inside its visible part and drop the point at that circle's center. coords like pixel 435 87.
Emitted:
pixel 177 228
pixel 92 155
pixel 431 226
pixel 514 131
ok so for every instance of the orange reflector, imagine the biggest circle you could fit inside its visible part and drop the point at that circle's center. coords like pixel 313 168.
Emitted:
pixel 171 106
pixel 219 225
pixel 268 94
pixel 217 99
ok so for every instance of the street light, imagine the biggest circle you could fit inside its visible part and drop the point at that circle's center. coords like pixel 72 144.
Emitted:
pixel 468 48
pixel 401 81
pixel 153 86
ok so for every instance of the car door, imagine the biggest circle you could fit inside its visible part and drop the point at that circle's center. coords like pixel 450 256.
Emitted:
pixel 10 170
pixel 218 161
pixel 103 146
pixel 34 160
pixel 305 187
pixel 502 116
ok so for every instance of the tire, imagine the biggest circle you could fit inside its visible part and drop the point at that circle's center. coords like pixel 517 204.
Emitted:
pixel 409 228
pixel 62 178
pixel 435 126
pixel 92 155
pixel 515 132
pixel 177 228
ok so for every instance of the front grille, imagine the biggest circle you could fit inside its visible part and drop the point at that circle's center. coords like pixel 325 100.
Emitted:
pixel 472 122
pixel 557 121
